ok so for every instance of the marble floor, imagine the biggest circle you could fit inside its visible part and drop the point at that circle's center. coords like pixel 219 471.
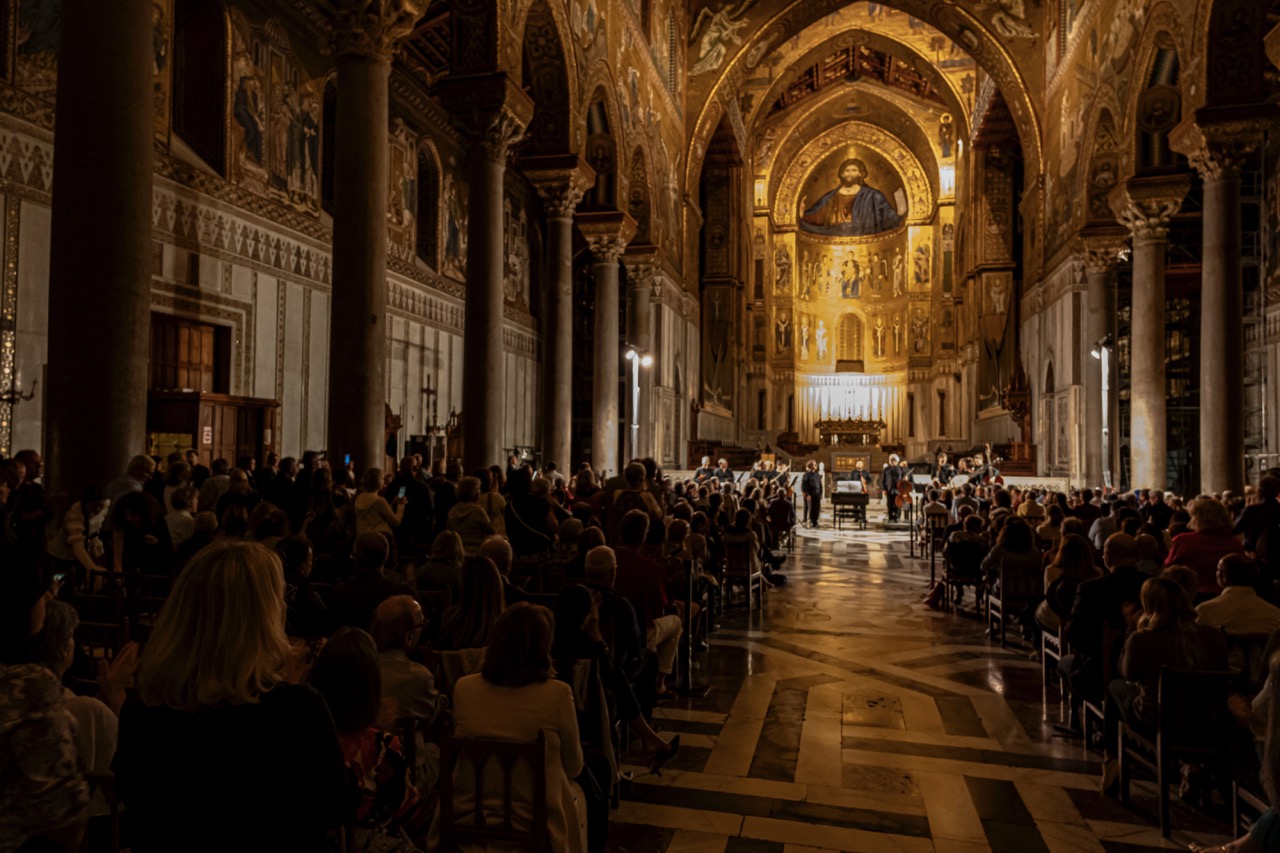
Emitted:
pixel 848 716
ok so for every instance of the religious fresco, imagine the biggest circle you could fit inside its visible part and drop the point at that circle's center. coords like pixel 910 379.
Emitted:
pixel 852 207
pixel 402 192
pixel 161 66
pixel 454 217
pixel 515 262
pixel 276 117
pixel 36 47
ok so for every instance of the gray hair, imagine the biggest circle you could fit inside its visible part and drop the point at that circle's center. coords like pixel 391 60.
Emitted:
pixel 60 621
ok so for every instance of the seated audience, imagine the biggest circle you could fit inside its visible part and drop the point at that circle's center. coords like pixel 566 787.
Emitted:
pixel 641 581
pixel 352 602
pixel 43 797
pixel 468 518
pixel 139 535
pixel 347 675
pixel 467 624
pixel 1101 603
pixel 497 550
pixel 443 569
pixel 1237 610
pixel 1208 542
pixel 180 518
pixel 1262 515
pixel 218 751
pixel 306 616
pixel 514 698
pixel 1014 571
pixel 372 512
pixel 1071 566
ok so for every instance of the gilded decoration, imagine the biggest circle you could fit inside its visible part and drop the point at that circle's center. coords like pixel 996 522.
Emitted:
pixel 854 138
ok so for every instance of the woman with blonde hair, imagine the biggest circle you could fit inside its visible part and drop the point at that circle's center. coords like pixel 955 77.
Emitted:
pixel 1208 541
pixel 218 751
pixel 468 518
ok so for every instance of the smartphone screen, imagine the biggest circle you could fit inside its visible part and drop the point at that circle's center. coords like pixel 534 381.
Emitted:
pixel 346 460
pixel 402 491
pixel 59 577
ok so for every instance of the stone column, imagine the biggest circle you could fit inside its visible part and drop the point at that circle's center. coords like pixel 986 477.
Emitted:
pixel 607 234
pixel 641 263
pixel 561 185
pixel 1145 207
pixel 100 257
pixel 358 311
pixel 495 111
pixel 1100 256
pixel 1217 152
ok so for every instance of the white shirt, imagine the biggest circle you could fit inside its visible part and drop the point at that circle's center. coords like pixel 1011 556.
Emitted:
pixel 1238 610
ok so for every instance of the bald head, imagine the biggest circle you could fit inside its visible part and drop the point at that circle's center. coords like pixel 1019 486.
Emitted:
pixel 397 623
pixel 1120 550
pixel 498 549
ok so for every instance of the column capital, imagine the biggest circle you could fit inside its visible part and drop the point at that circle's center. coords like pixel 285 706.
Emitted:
pixel 607 233
pixel 1146 205
pixel 1101 252
pixel 1217 149
pixel 371 28
pixel 491 108
pixel 561 181
pixel 644 265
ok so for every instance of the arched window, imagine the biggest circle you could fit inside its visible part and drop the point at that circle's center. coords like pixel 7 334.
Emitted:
pixel 199 85
pixel 428 212
pixel 327 135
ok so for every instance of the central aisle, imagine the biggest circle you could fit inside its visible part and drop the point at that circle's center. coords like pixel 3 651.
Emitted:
pixel 851 717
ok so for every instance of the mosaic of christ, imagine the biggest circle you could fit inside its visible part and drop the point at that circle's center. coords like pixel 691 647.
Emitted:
pixel 852 194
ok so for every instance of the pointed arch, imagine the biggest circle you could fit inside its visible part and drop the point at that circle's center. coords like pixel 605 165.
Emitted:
pixel 602 153
pixel 427 240
pixel 546 77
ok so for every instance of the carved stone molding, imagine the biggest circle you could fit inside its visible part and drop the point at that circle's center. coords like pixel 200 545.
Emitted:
pixel 371 28
pixel 561 181
pixel 1217 151
pixel 607 233
pixel 1146 205
pixel 491 108
pixel 1100 253
pixel 644 264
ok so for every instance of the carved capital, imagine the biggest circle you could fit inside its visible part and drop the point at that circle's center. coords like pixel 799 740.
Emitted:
pixel 1146 205
pixel 607 233
pixel 561 181
pixel 371 28
pixel 643 264
pixel 1218 150
pixel 1100 253
pixel 489 108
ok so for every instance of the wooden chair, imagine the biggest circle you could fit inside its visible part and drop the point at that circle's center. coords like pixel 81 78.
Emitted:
pixel 961 567
pixel 995 611
pixel 104 627
pixel 145 596
pixel 1193 724
pixel 485 757
pixel 1246 808
pixel 935 524
pixel 1090 709
pixel 742 567
pixel 1050 656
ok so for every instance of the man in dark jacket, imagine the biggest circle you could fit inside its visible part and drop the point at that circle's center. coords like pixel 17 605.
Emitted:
pixel 414 533
pixel 811 488
pixel 1101 603
pixel 889 477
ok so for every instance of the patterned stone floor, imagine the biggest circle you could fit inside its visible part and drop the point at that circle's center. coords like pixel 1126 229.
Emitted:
pixel 850 717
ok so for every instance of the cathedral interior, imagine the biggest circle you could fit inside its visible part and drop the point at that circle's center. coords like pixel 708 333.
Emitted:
pixel 1065 204
pixel 602 230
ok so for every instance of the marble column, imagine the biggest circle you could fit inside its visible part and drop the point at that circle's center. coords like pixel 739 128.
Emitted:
pixel 561 184
pixel 1145 206
pixel 607 234
pixel 642 287
pixel 1100 256
pixel 100 254
pixel 495 111
pixel 363 45
pixel 1217 152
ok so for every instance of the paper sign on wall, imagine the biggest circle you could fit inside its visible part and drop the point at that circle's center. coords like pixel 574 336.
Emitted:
pixel 207 438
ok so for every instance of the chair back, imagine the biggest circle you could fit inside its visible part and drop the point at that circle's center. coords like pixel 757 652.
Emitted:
pixel 964 559
pixel 493 768
pixel 1193 711
pixel 1246 656
pixel 740 558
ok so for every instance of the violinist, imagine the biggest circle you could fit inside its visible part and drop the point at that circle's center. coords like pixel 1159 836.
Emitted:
pixel 942 471
pixel 705 471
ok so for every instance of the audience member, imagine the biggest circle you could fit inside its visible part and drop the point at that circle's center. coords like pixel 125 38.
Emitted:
pixel 468 518
pixel 467 624
pixel 1237 610
pixel 353 601
pixel 1208 542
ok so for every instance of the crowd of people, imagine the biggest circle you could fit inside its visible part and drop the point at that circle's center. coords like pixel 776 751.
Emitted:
pixel 325 633
pixel 1131 584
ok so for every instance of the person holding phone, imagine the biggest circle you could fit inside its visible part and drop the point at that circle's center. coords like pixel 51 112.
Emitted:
pixel 372 512
pixel 414 534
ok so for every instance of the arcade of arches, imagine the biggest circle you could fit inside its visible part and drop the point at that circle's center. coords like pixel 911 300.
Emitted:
pixel 839 229
pixel 440 226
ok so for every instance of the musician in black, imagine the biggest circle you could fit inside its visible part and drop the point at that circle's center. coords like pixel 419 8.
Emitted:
pixel 862 475
pixel 889 477
pixel 722 472
pixel 705 471
pixel 942 471
pixel 811 488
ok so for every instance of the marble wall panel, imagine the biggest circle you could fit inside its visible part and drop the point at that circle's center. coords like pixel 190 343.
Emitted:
pixel 32 323
pixel 294 392
pixel 266 344
pixel 317 371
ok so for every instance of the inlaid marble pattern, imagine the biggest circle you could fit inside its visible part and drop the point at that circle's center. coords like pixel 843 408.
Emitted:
pixel 850 717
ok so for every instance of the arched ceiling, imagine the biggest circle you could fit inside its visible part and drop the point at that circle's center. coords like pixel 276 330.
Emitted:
pixel 748 46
